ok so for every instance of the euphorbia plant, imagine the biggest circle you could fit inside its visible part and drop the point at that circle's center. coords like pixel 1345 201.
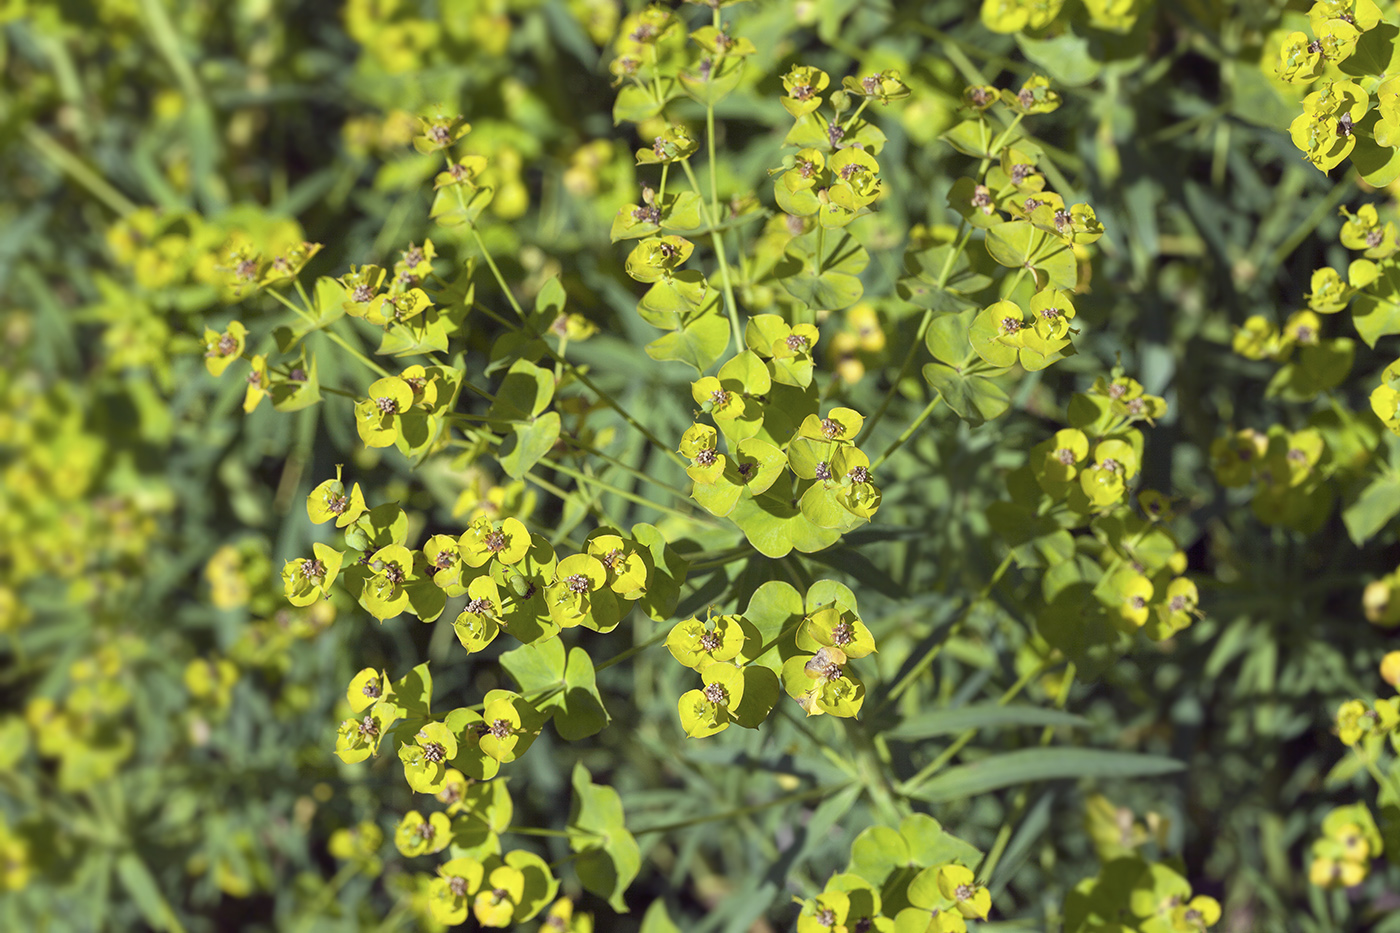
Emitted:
pixel 779 458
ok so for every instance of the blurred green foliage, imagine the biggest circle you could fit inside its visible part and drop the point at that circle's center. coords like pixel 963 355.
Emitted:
pixel 169 754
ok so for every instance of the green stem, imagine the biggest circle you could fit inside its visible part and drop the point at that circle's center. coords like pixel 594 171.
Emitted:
pixel 743 811
pixel 626 494
pixel 964 234
pixel 563 496
pixel 76 169
pixel 635 649
pixel 714 182
pixel 997 144
pixel 718 244
pixel 1381 778
pixel 909 431
pixel 845 127
pixel 933 767
pixel 167 40
pixel 495 271
pixel 629 470
pixel 932 654
pixel 582 377
pixel 727 557
pixel 308 317
pixel 540 831
pixel 1018 807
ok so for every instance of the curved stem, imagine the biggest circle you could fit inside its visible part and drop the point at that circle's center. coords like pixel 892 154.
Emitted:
pixel 909 431
pixel 78 170
pixel 718 244
pixel 635 649
pixel 500 279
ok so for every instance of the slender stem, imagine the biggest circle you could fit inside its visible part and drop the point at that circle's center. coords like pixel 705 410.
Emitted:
pixel 635 649
pixel 964 234
pixel 909 431
pixel 626 494
pixel 78 170
pixel 630 470
pixel 931 655
pixel 305 298
pixel 998 142
pixel 306 315
pixel 540 831
pixel 1380 777
pixel 1325 208
pixel 845 127
pixel 933 767
pixel 718 244
pixel 582 377
pixel 739 553
pixel 563 496
pixel 714 183
pixel 500 279
pixel 743 811
pixel 1018 807
pixel 167 40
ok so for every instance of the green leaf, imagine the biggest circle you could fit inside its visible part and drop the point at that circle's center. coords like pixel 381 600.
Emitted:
pixel 774 525
pixel 578 711
pixel 666 573
pixel 699 343
pixel 413 693
pixel 1379 165
pixel 514 346
pixel 524 393
pixel 971 138
pixel 877 852
pixel 837 284
pixel 657 920
pixel 145 891
pixel 637 104
pixel 1068 58
pixel 974 397
pixel 1013 243
pixel 979 716
pixel 930 844
pixel 761 692
pixel 1029 765
pixel 721 81
pixel 597 828
pixel 1373 509
pixel 1376 309
pixel 948 338
pixel 774 608
pixel 528 443
pixel 536 667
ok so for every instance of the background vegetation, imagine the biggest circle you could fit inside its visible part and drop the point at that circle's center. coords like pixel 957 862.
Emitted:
pixel 167 754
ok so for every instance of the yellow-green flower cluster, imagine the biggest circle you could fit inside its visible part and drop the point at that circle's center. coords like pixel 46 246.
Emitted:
pixel 1342 855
